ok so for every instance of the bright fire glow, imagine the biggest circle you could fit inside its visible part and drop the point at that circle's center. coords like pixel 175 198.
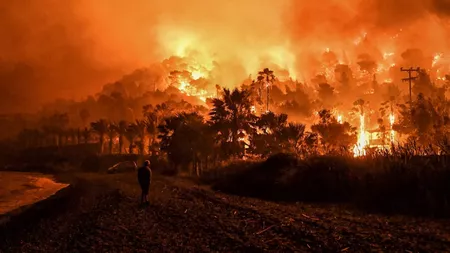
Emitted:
pixel 436 58
pixel 339 119
pixel 360 147
pixel 197 75
pixel 185 87
pixel 245 139
pixel 392 132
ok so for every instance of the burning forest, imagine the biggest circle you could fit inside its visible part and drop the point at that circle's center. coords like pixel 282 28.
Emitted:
pixel 374 99
pixel 343 102
pixel 386 78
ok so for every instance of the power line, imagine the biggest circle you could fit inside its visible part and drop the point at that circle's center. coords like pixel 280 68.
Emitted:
pixel 410 79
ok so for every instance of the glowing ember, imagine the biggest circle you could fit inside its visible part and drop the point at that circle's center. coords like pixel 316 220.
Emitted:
pixel 244 139
pixel 360 147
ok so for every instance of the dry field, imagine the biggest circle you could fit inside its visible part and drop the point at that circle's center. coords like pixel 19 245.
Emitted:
pixel 100 213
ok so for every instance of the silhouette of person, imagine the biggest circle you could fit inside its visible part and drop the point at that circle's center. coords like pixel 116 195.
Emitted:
pixel 145 179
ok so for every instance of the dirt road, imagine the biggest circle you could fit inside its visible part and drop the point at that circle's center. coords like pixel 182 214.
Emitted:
pixel 100 214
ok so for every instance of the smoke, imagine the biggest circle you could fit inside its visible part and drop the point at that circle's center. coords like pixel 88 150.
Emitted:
pixel 70 49
pixel 387 26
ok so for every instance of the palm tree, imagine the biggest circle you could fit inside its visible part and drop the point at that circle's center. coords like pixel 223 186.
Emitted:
pixel 49 135
pixel 152 129
pixel 121 130
pixel 111 133
pixel 86 135
pixel 72 134
pixel 293 134
pixel 101 128
pixel 232 114
pixel 272 138
pixel 163 110
pixel 141 127
pixel 58 123
pixel 26 138
pixel 79 135
pixel 267 78
pixel 183 139
pixel 131 134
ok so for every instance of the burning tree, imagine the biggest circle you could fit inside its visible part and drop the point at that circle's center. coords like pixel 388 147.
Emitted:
pixel 266 78
pixel 428 122
pixel 334 136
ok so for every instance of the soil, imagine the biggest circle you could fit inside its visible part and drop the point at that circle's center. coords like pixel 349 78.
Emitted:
pixel 101 213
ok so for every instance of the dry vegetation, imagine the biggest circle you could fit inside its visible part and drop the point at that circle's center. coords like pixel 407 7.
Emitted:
pixel 409 185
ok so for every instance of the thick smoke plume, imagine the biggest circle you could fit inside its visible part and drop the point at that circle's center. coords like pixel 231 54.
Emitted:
pixel 69 49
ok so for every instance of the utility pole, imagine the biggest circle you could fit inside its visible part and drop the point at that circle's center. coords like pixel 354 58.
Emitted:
pixel 410 79
pixel 268 97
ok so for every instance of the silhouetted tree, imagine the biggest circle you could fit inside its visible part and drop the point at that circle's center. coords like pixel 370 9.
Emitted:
pixel 334 136
pixel 268 137
pixel 86 135
pixel 183 139
pixel 56 125
pixel 137 130
pixel 229 116
pixel 111 133
pixel 131 134
pixel 101 128
pixel 326 94
pixel 121 129
pixel 266 79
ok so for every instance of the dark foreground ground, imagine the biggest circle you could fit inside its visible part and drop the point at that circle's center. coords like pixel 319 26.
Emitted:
pixel 99 213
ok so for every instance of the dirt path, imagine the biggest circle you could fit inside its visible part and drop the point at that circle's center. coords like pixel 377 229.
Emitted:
pixel 101 214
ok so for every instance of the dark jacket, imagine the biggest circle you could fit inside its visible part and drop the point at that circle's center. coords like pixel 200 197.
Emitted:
pixel 144 175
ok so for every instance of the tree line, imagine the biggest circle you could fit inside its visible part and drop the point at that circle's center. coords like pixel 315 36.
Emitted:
pixel 188 134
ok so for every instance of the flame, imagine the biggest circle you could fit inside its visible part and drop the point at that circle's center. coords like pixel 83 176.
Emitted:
pixel 339 119
pixel 360 147
pixel 387 55
pixel 392 132
pixel 185 86
pixel 283 58
pixel 359 39
pixel 244 139
pixel 436 59
pixel 197 75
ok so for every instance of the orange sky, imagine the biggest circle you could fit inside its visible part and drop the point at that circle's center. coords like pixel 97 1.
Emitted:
pixel 71 48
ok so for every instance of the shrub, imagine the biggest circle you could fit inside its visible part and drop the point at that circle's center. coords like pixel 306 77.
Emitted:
pixel 416 185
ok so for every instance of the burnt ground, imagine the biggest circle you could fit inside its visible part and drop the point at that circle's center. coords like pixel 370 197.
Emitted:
pixel 100 213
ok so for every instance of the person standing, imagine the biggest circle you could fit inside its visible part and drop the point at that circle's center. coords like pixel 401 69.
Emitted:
pixel 145 179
